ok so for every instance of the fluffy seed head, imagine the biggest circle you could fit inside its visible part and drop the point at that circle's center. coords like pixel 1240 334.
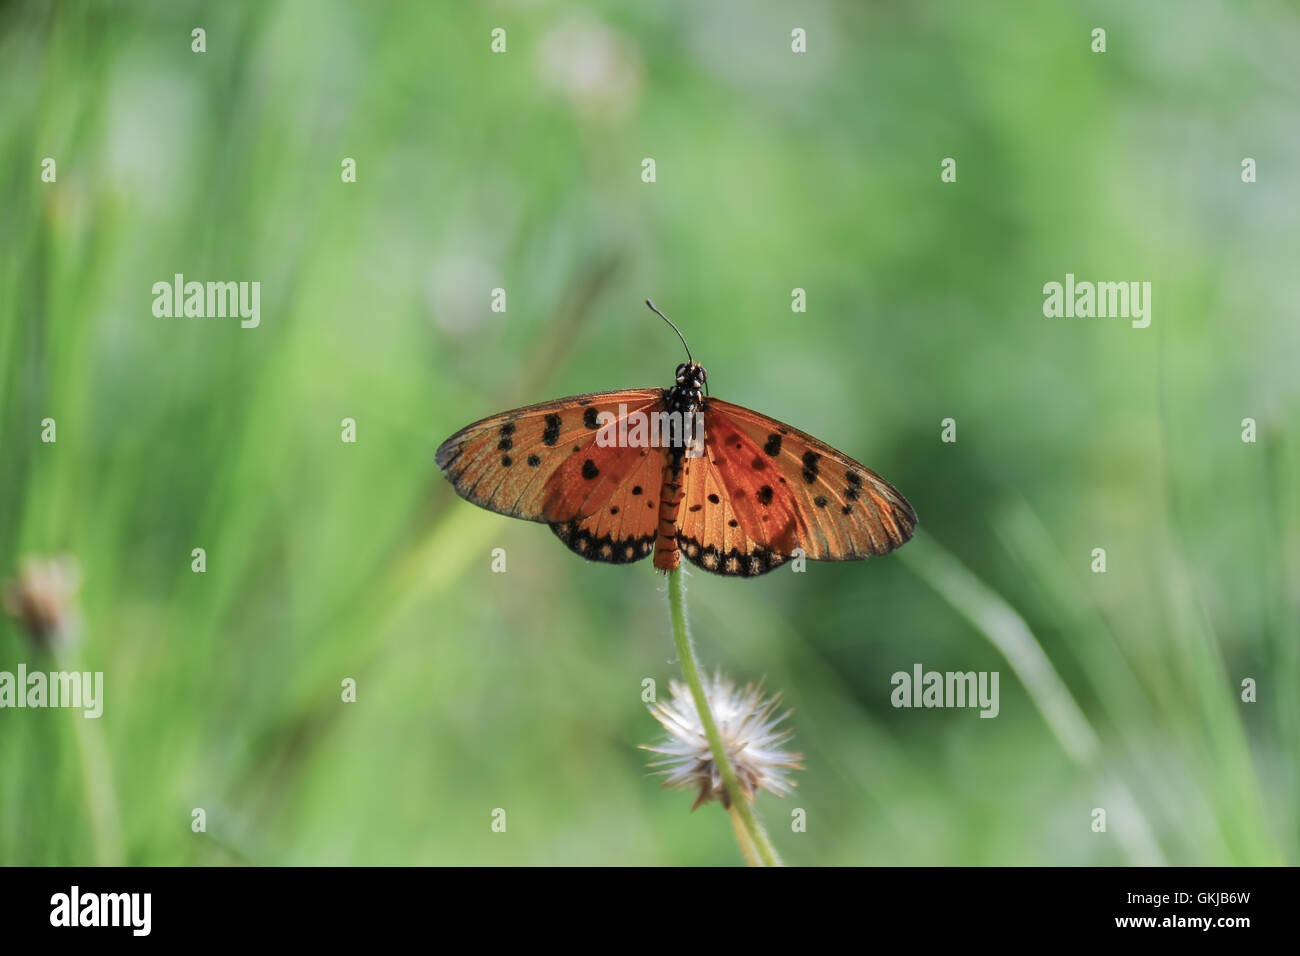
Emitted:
pixel 749 732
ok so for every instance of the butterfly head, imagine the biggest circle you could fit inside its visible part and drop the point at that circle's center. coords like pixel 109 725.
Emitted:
pixel 691 376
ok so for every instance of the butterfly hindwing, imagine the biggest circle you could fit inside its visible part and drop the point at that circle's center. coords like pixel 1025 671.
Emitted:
pixel 506 463
pixel 779 489
pixel 614 495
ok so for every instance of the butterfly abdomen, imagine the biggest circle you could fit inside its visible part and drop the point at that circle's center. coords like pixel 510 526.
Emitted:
pixel 667 554
pixel 684 400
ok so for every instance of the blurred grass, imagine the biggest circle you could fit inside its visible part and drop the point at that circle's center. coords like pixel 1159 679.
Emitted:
pixel 522 690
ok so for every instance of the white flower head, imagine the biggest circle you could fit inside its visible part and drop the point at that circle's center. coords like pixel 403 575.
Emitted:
pixel 748 728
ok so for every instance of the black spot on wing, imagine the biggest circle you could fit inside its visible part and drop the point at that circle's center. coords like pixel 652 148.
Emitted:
pixel 551 434
pixel 810 466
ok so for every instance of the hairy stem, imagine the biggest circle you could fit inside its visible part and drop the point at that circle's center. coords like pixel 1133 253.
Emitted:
pixel 691 671
pixel 743 838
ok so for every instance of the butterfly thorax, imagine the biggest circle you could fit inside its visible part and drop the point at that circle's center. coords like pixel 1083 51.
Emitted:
pixel 683 400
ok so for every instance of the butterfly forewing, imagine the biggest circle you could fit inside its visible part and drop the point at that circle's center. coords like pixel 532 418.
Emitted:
pixel 506 463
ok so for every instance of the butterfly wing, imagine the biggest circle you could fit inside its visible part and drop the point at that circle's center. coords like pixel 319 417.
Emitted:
pixel 543 463
pixel 613 494
pixel 764 488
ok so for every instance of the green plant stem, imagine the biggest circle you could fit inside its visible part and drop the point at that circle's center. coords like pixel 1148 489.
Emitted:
pixel 690 669
pixel 742 837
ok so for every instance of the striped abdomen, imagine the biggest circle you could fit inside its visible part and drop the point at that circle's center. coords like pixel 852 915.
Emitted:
pixel 667 554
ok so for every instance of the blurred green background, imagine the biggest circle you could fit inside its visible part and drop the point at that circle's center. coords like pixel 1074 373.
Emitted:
pixel 775 170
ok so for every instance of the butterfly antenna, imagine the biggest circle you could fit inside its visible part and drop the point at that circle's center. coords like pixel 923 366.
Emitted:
pixel 674 328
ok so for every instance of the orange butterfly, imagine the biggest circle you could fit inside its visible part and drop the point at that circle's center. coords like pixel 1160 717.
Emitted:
pixel 737 500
